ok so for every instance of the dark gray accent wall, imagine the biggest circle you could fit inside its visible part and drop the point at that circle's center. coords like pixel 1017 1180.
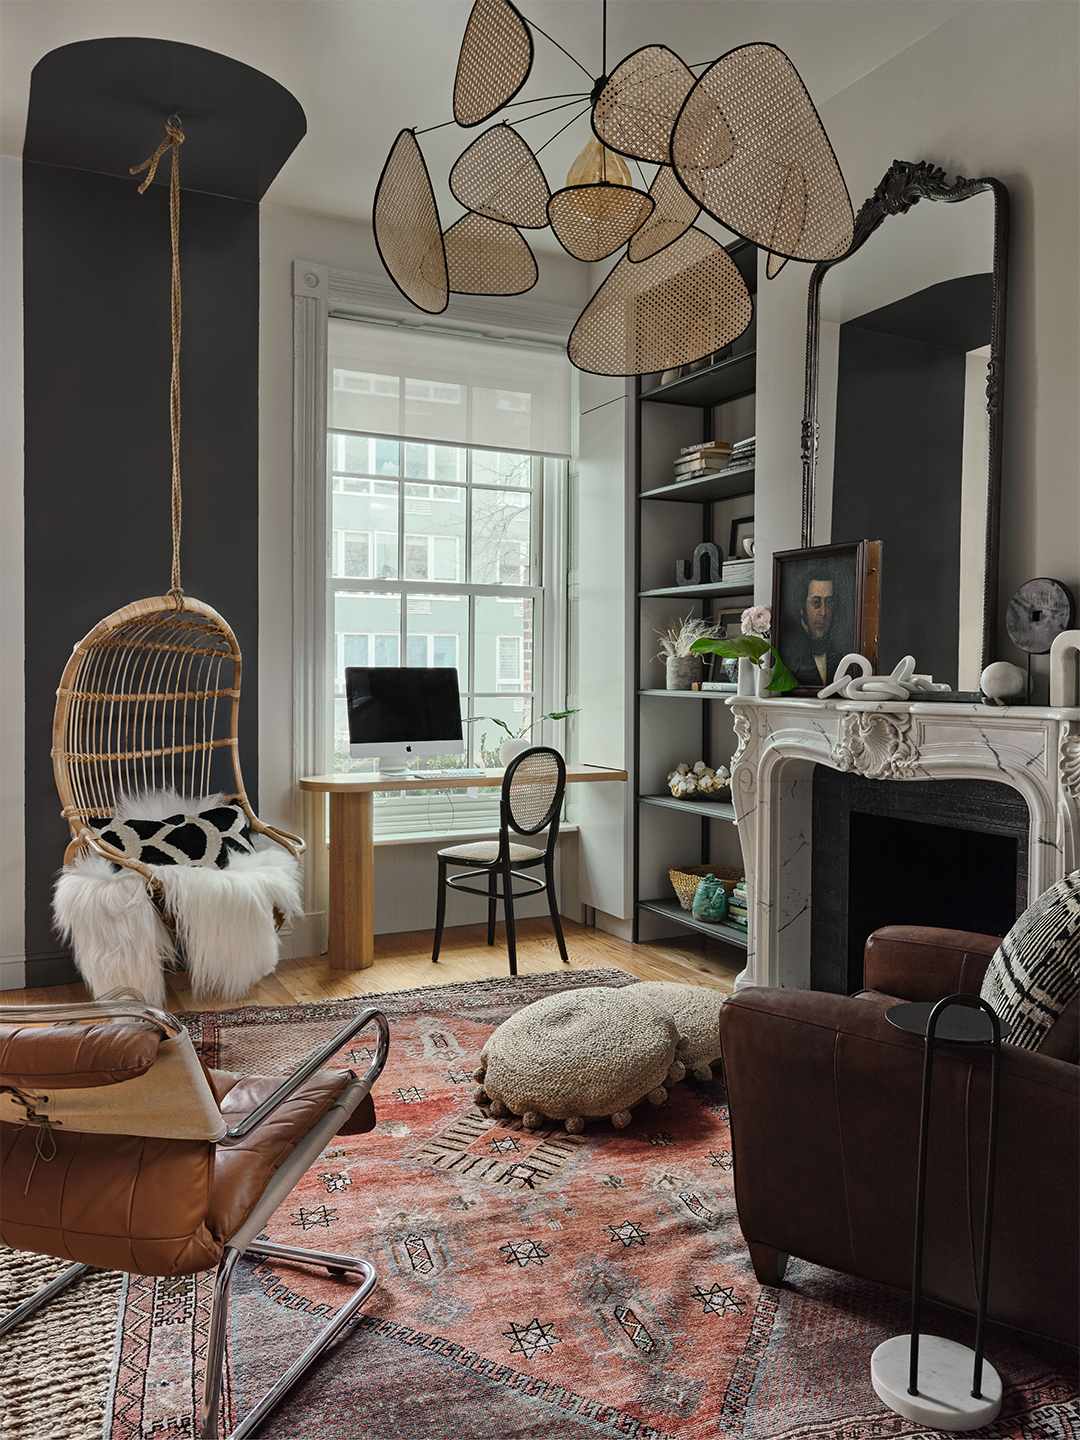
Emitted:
pixel 97 508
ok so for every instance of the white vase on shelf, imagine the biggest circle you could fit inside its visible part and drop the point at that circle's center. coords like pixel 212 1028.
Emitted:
pixel 762 676
pixel 511 748
pixel 747 679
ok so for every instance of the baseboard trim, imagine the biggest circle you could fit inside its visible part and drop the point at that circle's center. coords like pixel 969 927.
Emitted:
pixel 13 972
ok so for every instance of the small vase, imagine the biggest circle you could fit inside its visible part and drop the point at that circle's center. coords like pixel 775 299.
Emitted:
pixel 748 673
pixel 710 900
pixel 509 748
pixel 762 678
pixel 683 671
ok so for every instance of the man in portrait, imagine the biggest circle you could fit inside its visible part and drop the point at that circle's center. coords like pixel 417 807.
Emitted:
pixel 816 646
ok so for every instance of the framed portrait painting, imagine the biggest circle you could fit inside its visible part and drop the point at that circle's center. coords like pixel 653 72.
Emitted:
pixel 825 606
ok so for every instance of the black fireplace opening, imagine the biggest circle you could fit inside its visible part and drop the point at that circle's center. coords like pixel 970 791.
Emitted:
pixel 947 853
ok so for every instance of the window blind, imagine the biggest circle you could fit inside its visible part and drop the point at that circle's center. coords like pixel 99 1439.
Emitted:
pixel 420 385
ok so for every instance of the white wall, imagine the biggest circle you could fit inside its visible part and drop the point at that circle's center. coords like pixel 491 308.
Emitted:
pixel 993 91
pixel 405 874
pixel 12 703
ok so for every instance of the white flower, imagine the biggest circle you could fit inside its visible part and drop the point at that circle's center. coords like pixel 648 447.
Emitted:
pixel 757 620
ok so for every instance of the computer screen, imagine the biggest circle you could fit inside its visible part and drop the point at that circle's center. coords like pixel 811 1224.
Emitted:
pixel 413 710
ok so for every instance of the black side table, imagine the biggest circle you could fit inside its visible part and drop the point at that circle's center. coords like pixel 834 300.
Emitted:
pixel 927 1378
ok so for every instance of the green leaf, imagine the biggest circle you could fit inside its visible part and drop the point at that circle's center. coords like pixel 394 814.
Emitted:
pixel 493 719
pixel 782 678
pixel 560 714
pixel 747 647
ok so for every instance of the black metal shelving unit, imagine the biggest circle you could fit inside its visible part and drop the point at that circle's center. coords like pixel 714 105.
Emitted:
pixel 730 379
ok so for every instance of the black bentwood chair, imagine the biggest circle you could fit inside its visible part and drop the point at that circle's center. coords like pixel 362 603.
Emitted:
pixel 532 796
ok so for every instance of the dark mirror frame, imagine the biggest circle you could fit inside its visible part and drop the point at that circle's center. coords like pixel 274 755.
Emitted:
pixel 903 185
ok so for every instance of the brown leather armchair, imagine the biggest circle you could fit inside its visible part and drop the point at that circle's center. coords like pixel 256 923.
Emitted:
pixel 119 1150
pixel 825 1101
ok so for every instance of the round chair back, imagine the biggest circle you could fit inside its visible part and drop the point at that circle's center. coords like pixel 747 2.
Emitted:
pixel 532 790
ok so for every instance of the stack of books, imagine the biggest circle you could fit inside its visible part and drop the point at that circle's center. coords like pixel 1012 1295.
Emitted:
pixel 705 459
pixel 742 454
pixel 736 910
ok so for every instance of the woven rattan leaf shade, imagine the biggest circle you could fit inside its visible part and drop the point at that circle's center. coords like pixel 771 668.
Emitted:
pixel 407 229
pixel 673 215
pixel 498 176
pixel 637 108
pixel 494 63
pixel 593 221
pixel 750 148
pixel 675 307
pixel 486 258
pixel 774 265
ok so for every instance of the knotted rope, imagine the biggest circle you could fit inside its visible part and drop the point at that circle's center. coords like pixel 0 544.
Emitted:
pixel 173 140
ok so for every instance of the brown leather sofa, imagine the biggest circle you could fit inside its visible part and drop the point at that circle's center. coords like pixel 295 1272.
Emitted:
pixel 825 1101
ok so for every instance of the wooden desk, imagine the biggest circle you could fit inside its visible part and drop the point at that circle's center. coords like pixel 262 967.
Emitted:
pixel 351 943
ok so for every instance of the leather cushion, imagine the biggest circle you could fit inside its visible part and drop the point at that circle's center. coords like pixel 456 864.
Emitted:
pixel 921 962
pixel 149 1206
pixel 76 1057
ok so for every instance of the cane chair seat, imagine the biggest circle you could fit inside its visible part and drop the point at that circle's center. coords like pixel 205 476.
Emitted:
pixel 487 851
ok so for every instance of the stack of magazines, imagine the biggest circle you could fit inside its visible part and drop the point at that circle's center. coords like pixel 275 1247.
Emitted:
pixel 736 910
pixel 742 454
pixel 705 459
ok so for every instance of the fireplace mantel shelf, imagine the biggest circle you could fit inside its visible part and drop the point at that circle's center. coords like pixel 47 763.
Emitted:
pixel 1034 749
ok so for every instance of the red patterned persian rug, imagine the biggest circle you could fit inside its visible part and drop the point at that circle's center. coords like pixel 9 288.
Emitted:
pixel 531 1284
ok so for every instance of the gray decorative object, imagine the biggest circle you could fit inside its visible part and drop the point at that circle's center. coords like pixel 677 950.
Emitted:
pixel 1038 613
pixel 705 551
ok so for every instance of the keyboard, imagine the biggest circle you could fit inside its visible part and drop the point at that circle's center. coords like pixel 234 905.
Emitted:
pixel 437 774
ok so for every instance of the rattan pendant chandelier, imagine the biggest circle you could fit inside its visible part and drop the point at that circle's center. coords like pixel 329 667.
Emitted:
pixel 741 141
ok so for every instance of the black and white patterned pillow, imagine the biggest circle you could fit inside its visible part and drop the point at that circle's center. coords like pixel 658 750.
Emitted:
pixel 210 838
pixel 1035 971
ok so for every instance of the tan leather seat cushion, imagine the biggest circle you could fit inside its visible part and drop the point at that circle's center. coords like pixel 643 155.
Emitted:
pixel 78 1057
pixel 155 1207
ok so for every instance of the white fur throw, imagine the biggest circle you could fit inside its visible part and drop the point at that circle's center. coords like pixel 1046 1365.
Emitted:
pixel 224 918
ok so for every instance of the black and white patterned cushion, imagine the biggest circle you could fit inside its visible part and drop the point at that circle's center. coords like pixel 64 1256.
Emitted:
pixel 1035 971
pixel 210 838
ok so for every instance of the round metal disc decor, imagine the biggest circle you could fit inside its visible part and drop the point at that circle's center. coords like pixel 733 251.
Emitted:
pixel 407 230
pixel 749 147
pixel 484 257
pixel 675 212
pixel 498 176
pixel 636 111
pixel 593 221
pixel 1038 613
pixel 494 63
pixel 668 310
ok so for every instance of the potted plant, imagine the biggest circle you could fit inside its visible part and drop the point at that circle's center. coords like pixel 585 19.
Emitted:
pixel 679 639
pixel 750 649
pixel 517 740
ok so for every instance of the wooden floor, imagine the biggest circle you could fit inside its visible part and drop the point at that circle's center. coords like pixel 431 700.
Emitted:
pixel 403 961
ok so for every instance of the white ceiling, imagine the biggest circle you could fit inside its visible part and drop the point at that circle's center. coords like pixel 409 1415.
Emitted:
pixel 365 69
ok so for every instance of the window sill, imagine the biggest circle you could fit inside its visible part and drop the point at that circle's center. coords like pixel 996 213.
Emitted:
pixel 456 837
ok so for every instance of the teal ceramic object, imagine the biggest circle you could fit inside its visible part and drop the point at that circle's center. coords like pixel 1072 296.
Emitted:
pixel 710 900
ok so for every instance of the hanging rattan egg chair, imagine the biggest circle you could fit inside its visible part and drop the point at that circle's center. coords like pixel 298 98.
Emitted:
pixel 150 701
pixel 146 717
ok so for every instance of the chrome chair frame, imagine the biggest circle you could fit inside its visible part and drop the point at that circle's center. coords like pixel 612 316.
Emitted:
pixel 245 1241
pixel 508 871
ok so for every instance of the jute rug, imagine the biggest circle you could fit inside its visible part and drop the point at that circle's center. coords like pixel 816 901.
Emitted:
pixel 530 1284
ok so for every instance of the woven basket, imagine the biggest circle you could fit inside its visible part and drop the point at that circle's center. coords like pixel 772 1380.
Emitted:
pixel 687 878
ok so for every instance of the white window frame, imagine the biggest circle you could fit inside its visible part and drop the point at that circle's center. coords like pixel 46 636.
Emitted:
pixel 319 291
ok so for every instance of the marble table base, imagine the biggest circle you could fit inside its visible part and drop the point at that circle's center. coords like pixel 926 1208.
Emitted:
pixel 944 1401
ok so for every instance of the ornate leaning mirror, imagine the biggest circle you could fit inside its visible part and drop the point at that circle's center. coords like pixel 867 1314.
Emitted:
pixel 902 424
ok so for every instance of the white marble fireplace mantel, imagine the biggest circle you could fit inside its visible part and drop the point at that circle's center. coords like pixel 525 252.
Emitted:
pixel 1034 749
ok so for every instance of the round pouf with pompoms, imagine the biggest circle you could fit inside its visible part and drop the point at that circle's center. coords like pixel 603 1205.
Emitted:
pixel 584 1054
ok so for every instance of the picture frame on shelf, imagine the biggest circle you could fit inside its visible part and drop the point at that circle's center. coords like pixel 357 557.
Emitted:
pixel 741 531
pixel 825 605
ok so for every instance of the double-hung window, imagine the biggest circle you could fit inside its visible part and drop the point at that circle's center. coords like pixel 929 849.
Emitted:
pixel 446 512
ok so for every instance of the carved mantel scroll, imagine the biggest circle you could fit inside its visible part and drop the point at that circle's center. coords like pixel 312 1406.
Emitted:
pixel 1035 750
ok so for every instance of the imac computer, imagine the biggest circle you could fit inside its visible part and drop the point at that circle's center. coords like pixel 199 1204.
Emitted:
pixel 395 713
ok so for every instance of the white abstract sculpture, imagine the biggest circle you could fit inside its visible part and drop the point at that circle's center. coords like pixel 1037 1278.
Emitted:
pixel 1065 669
pixel 902 684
